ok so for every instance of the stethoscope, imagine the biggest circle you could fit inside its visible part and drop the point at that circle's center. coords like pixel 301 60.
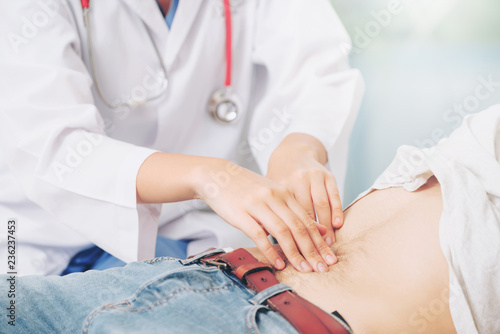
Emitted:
pixel 224 105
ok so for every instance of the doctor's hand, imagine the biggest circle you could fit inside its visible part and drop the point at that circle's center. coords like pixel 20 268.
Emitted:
pixel 260 207
pixel 248 201
pixel 298 163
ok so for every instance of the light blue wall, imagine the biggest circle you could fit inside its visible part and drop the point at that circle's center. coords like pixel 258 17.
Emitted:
pixel 428 58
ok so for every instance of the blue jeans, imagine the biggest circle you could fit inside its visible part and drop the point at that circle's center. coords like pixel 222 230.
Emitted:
pixel 164 295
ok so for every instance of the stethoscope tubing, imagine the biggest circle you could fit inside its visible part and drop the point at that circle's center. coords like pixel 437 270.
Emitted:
pixel 229 59
pixel 229 42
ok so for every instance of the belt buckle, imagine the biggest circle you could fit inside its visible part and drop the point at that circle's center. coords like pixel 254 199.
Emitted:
pixel 218 263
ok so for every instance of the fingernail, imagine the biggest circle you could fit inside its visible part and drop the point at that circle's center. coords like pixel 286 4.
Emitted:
pixel 280 264
pixel 321 267
pixel 329 241
pixel 330 259
pixel 338 221
pixel 305 266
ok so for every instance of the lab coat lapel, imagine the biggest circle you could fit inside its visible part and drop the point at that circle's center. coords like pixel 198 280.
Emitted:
pixel 183 21
pixel 150 14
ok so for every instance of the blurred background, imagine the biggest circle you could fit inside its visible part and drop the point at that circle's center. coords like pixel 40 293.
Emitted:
pixel 423 62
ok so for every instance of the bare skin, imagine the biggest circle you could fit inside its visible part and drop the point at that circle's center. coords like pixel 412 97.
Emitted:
pixel 392 276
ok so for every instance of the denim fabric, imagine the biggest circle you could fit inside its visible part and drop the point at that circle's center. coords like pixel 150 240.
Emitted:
pixel 164 295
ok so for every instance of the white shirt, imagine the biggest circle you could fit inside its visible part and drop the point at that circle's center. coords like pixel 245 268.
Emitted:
pixel 68 163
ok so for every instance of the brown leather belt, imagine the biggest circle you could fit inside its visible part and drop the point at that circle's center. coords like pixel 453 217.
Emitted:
pixel 304 316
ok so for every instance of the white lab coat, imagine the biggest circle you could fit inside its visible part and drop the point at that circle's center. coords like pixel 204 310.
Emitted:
pixel 68 163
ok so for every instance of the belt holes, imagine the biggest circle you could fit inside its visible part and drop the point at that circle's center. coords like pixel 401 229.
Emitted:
pixel 241 258
pixel 286 302
pixel 263 279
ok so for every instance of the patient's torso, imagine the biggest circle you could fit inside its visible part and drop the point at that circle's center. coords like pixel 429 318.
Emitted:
pixel 391 276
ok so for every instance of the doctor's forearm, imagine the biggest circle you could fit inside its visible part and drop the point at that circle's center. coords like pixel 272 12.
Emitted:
pixel 166 178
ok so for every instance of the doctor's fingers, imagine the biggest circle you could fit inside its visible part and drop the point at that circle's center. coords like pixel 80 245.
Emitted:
pixel 282 233
pixel 305 234
pixel 316 232
pixel 252 228
pixel 323 206
pixel 302 193
pixel 335 201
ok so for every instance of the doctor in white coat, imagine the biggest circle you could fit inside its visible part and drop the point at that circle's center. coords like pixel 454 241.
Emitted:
pixel 111 142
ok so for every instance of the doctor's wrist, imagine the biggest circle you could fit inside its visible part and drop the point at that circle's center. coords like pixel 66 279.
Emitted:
pixel 210 176
pixel 301 146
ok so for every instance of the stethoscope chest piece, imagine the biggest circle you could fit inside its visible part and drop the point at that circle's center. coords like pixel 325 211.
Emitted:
pixel 225 106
